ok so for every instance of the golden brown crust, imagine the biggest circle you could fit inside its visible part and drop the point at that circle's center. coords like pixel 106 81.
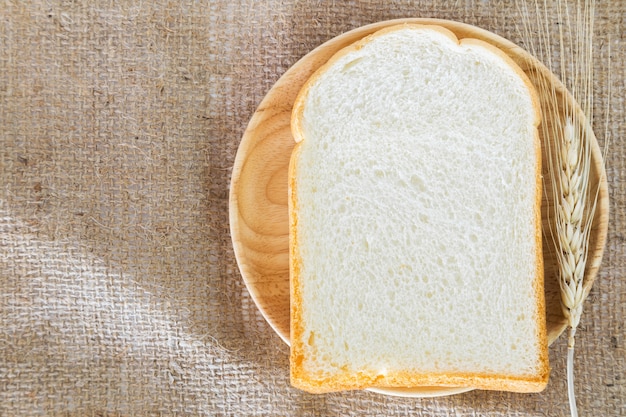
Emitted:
pixel 363 380
pixel 349 380
pixel 295 299
pixel 540 318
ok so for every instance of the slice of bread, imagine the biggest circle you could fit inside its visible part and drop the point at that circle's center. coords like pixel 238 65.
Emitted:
pixel 415 222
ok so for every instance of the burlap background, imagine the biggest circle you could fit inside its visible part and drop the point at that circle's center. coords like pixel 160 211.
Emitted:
pixel 119 291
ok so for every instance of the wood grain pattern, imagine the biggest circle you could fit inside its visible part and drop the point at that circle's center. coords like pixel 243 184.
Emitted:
pixel 258 194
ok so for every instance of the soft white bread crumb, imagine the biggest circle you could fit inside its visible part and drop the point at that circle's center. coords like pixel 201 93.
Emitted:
pixel 415 220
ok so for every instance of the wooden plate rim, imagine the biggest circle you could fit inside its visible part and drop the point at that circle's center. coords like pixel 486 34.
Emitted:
pixel 309 63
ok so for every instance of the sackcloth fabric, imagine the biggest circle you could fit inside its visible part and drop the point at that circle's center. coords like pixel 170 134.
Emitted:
pixel 120 293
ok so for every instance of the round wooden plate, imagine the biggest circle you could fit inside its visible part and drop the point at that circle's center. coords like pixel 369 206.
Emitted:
pixel 258 193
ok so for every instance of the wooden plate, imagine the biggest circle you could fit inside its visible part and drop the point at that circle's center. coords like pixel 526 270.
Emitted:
pixel 258 193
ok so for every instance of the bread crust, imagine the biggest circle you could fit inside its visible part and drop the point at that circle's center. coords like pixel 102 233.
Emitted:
pixel 349 380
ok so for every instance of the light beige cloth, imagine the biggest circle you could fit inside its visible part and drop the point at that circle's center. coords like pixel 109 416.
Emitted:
pixel 119 289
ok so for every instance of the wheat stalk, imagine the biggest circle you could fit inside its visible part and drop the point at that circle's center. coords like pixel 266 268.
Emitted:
pixel 569 156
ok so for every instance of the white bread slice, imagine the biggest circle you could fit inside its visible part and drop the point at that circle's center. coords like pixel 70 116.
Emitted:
pixel 415 223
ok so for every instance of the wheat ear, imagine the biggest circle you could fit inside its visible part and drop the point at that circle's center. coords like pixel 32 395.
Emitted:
pixel 569 153
pixel 575 202
pixel 573 216
pixel 574 212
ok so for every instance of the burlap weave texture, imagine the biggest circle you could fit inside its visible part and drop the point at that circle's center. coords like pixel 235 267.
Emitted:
pixel 119 290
